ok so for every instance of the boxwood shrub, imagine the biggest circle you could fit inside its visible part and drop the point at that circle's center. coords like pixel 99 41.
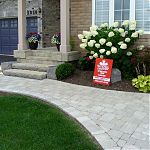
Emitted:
pixel 65 70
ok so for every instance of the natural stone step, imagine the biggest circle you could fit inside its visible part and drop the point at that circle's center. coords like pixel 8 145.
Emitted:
pixel 45 57
pixel 25 73
pixel 30 66
pixel 46 52
pixel 39 58
pixel 39 62
pixel 46 49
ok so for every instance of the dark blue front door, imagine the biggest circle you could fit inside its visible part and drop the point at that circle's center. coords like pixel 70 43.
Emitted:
pixel 9 33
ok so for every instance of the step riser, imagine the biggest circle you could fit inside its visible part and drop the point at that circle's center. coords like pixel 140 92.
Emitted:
pixel 45 57
pixel 30 68
pixel 42 55
pixel 39 77
pixel 39 62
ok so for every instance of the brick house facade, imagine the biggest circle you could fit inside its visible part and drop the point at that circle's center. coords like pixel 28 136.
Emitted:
pixel 48 17
pixel 81 12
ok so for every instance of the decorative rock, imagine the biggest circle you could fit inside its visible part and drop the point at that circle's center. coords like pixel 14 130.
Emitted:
pixel 116 75
pixel 6 65
pixel 51 72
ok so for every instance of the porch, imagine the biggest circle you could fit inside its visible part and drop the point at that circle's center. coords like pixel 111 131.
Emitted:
pixel 41 63
pixel 65 48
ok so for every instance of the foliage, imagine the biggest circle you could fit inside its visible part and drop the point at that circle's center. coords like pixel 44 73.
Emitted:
pixel 85 63
pixel 28 124
pixel 33 37
pixel 56 39
pixel 64 70
pixel 142 83
pixel 114 42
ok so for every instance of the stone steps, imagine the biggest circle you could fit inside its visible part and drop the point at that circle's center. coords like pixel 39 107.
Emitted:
pixel 25 74
pixel 31 66
pixel 44 53
pixel 39 58
pixel 39 61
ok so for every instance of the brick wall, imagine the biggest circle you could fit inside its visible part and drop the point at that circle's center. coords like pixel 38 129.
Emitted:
pixel 50 20
pixel 144 40
pixel 81 19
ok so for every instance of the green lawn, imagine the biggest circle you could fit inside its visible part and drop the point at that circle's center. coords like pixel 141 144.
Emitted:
pixel 28 124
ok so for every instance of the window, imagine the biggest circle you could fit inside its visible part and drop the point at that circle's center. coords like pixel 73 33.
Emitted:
pixel 102 11
pixel 5 24
pixel 120 10
pixel 143 14
pixel 14 23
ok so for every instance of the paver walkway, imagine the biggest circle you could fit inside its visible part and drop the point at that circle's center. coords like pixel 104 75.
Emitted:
pixel 117 120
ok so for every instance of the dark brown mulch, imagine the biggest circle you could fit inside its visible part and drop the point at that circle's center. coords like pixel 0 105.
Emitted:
pixel 85 78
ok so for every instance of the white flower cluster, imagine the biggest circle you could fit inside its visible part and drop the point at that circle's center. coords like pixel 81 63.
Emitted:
pixel 101 47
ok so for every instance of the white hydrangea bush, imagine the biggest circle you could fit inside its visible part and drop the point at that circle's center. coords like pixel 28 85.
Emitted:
pixel 110 42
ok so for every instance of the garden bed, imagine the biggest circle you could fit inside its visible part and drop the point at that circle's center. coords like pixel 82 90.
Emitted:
pixel 85 78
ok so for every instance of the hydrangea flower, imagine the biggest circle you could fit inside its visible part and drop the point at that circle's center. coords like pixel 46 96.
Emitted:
pixel 83 45
pixel 114 50
pixel 80 36
pixel 127 40
pixel 129 53
pixel 111 34
pixel 123 46
pixel 102 41
pixel 102 51
pixel 95 55
pixel 108 53
pixel 115 24
pixel 121 30
pixel 109 44
pixel 134 35
pixel 91 57
pixel 97 45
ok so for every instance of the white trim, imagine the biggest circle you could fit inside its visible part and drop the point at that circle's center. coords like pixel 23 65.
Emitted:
pixel 111 12
pixel 132 10
pixel 93 11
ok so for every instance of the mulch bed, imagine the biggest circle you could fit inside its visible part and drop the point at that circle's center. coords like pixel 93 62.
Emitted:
pixel 85 78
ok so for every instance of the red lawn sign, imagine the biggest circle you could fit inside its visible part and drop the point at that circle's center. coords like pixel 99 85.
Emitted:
pixel 102 72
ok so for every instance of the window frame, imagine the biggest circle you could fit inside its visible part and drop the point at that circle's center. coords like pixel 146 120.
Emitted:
pixel 111 12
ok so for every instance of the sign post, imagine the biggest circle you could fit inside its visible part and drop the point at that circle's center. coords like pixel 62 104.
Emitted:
pixel 103 71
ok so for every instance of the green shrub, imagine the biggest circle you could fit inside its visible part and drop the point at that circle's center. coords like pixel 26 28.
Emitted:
pixel 64 70
pixel 142 83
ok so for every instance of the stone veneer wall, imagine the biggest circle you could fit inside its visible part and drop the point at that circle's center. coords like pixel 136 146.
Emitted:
pixel 50 20
pixel 81 19
pixel 9 8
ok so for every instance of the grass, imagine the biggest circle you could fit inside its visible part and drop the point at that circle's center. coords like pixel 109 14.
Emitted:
pixel 28 124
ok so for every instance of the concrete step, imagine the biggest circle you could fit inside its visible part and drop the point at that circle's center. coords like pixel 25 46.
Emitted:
pixel 30 66
pixel 46 49
pixel 26 74
pixel 39 62
pixel 46 52
pixel 39 58
pixel 45 57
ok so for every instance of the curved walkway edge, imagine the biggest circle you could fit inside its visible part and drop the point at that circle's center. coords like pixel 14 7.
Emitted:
pixel 117 120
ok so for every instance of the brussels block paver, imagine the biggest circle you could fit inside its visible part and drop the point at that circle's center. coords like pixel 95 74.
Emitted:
pixel 117 120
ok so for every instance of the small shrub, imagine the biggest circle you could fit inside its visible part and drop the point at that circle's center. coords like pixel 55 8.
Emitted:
pixel 142 83
pixel 64 70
